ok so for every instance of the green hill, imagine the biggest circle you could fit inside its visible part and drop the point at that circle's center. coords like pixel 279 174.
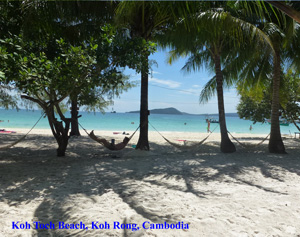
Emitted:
pixel 162 111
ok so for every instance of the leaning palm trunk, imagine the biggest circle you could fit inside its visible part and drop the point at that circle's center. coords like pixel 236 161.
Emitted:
pixel 296 125
pixel 226 145
pixel 276 144
pixel 289 10
pixel 143 143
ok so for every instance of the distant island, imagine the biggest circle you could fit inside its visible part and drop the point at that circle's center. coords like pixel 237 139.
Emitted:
pixel 177 112
pixel 162 111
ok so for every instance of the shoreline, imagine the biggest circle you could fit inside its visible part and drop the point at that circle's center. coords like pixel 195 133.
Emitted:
pixel 154 136
pixel 179 138
pixel 44 131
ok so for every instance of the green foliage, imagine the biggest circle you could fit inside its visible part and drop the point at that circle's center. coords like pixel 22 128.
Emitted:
pixel 10 18
pixel 255 110
pixel 139 23
pixel 85 59
pixel 7 100
pixel 255 104
pixel 51 78
pixel 73 71
pixel 10 58
pixel 131 52
pixel 8 65
pixel 218 28
pixel 290 96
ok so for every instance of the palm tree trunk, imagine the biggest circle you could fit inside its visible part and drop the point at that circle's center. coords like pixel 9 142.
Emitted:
pixel 74 116
pixel 143 143
pixel 282 6
pixel 226 145
pixel 276 144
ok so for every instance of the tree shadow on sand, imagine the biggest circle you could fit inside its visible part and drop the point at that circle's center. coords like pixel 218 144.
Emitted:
pixel 140 185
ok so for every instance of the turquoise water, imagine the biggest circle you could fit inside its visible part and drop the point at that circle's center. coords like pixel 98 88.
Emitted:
pixel 123 122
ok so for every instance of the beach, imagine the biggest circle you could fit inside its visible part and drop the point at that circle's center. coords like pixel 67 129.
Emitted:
pixel 201 191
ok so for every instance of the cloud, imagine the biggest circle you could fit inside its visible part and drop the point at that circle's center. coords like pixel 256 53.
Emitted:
pixel 196 86
pixel 168 83
pixel 155 72
pixel 191 91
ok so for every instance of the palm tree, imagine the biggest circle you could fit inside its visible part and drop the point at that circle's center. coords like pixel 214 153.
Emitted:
pixel 256 65
pixel 216 39
pixel 283 35
pixel 287 9
pixel 145 19
pixel 138 17
pixel 264 65
pixel 290 8
pixel 261 66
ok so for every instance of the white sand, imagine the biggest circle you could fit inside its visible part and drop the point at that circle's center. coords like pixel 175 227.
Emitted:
pixel 247 193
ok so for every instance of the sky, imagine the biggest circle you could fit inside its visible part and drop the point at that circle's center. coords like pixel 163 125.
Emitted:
pixel 171 87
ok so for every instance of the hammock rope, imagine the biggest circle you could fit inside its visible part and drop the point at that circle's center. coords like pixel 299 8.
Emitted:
pixel 249 145
pixel 107 144
pixel 22 138
pixel 184 147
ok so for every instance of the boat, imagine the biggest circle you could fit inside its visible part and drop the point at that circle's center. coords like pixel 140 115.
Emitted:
pixel 282 122
pixel 211 120
pixel 6 132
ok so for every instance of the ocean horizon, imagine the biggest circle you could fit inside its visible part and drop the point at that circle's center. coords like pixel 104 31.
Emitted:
pixel 129 122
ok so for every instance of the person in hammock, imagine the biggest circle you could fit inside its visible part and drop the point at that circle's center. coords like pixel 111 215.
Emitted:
pixel 109 145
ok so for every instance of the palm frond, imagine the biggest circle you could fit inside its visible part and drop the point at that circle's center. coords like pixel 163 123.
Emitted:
pixel 208 91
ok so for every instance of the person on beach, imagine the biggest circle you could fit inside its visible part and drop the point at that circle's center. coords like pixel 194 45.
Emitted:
pixel 250 128
pixel 208 125
pixel 110 145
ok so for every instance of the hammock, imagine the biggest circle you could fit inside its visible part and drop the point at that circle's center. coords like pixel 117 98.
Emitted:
pixel 22 138
pixel 184 147
pixel 248 145
pixel 12 144
pixel 107 144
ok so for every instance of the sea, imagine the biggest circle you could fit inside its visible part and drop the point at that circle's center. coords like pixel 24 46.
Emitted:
pixel 120 122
